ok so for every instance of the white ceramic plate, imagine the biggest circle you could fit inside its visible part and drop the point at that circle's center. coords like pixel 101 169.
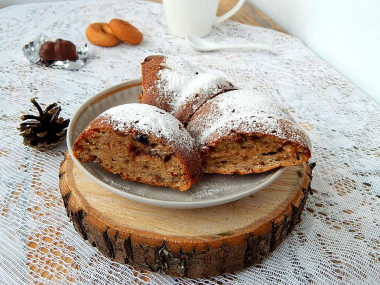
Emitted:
pixel 212 189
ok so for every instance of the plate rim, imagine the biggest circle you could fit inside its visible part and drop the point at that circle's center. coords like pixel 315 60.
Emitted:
pixel 160 203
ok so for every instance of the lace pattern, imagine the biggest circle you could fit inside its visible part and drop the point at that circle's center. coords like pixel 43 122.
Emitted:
pixel 338 240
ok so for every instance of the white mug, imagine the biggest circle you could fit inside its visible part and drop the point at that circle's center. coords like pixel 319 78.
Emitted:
pixel 194 17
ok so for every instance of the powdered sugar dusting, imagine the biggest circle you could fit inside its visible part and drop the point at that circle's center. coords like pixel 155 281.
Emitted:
pixel 147 119
pixel 244 111
pixel 181 82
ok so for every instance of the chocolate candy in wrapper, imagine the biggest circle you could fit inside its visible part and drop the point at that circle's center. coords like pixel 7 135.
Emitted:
pixel 60 54
pixel 47 51
pixel 58 50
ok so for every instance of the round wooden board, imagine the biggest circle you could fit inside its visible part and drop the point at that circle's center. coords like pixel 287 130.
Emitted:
pixel 185 242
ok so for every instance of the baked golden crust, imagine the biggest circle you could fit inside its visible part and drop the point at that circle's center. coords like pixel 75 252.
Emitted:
pixel 149 70
pixel 242 132
pixel 148 154
pixel 126 32
pixel 101 34
pixel 179 87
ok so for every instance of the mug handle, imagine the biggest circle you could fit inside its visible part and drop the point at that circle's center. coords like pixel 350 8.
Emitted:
pixel 230 12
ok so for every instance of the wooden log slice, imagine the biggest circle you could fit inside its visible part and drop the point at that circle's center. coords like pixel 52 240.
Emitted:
pixel 185 243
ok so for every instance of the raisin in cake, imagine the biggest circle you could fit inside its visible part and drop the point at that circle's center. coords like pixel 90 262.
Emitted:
pixel 141 143
pixel 243 132
pixel 179 87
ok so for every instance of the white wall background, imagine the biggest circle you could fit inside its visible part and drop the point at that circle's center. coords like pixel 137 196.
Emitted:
pixel 344 33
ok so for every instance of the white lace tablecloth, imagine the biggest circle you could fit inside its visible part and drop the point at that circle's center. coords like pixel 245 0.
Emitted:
pixel 338 240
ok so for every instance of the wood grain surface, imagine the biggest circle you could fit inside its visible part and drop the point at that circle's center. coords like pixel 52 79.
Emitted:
pixel 185 242
pixel 248 14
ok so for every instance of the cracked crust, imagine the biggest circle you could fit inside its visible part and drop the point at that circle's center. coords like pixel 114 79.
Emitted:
pixel 179 87
pixel 246 132
pixel 141 143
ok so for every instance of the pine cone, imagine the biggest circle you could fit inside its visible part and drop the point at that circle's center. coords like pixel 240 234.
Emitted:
pixel 46 130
